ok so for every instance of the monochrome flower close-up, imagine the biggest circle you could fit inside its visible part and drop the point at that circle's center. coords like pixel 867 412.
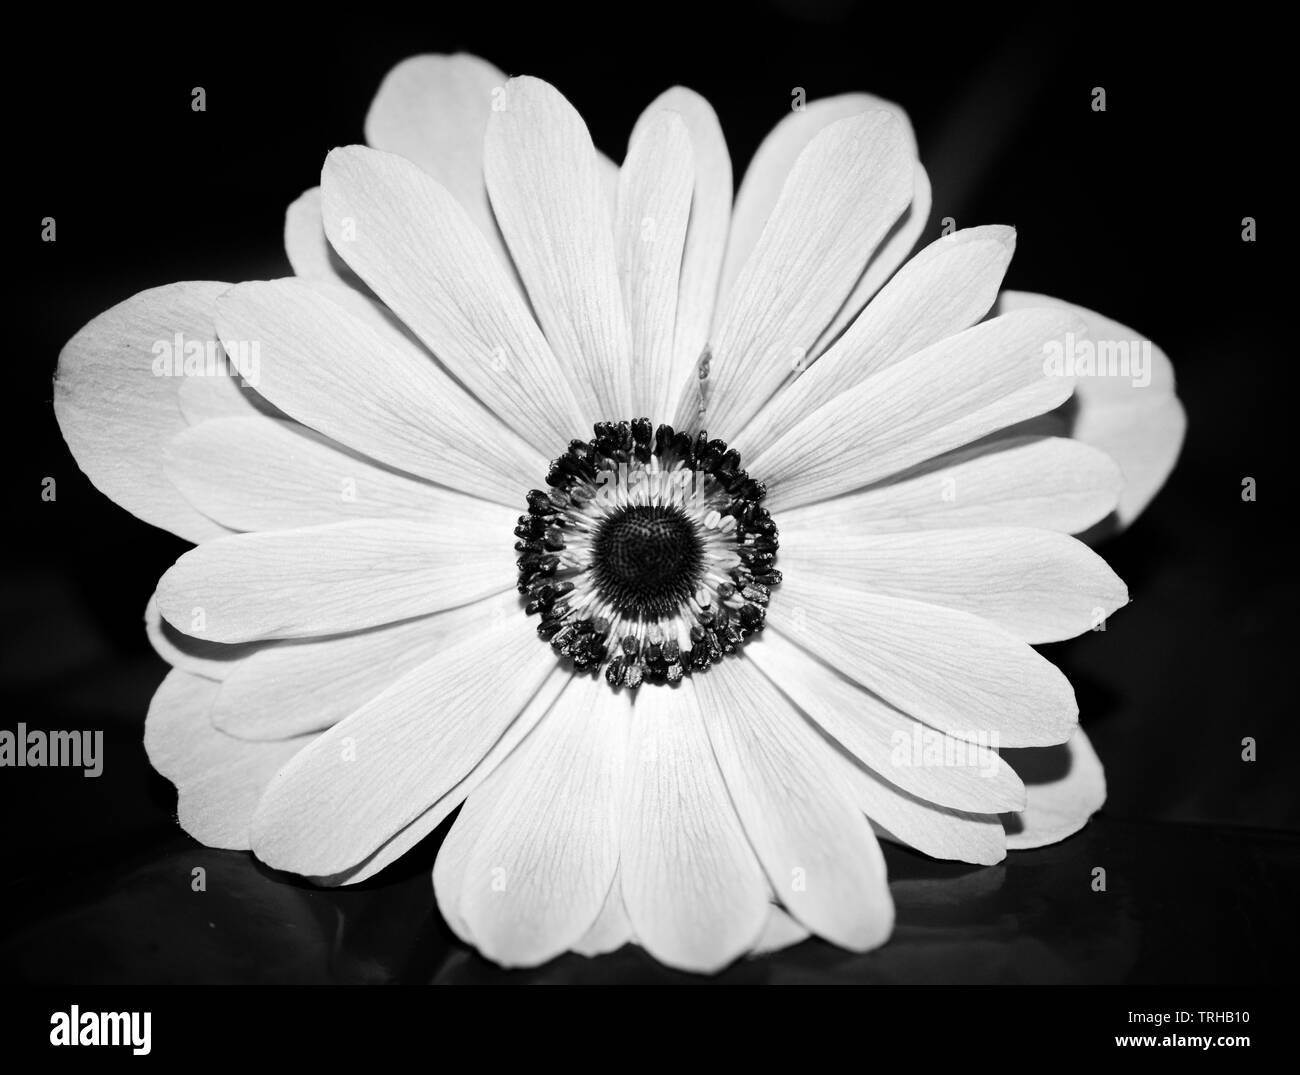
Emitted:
pixel 690 540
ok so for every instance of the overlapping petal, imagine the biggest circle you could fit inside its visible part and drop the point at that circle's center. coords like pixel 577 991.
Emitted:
pixel 369 776
pixel 115 397
pixel 1125 404
pixel 219 779
pixel 548 193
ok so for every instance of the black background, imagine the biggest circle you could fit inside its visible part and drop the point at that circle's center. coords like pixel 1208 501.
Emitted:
pixel 1136 212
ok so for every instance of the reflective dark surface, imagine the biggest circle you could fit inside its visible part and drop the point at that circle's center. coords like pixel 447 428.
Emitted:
pixel 1182 905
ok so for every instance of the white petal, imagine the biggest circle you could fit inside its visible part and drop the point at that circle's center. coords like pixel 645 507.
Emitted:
pixel 902 771
pixel 406 838
pixel 1110 382
pixel 305 685
pixel 198 656
pixel 321 580
pixel 781 931
pixel 546 186
pixel 846 189
pixel 891 253
pixel 693 889
pixel 413 244
pixel 218 778
pixel 944 396
pixel 433 110
pixel 205 398
pixel 938 831
pixel 540 871
pixel 767 172
pixel 706 234
pixel 1049 482
pixel 374 773
pixel 449 870
pixel 1141 425
pixel 946 288
pixel 1144 440
pixel 116 413
pixel 817 849
pixel 612 928
pixel 365 385
pixel 309 251
pixel 268 474
pixel 881 737
pixel 1039 585
pixel 1066 785
pixel 654 204
pixel 949 669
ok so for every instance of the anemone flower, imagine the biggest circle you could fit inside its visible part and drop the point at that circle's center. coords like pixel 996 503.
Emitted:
pixel 687 547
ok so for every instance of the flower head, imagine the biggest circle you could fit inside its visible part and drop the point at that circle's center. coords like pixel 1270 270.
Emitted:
pixel 687 547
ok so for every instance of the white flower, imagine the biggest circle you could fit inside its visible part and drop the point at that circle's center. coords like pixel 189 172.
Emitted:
pixel 352 660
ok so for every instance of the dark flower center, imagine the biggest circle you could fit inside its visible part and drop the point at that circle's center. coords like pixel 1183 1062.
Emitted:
pixel 646 559
pixel 649 556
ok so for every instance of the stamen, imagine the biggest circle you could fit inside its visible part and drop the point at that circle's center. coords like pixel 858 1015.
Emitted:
pixel 702 371
pixel 649 555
